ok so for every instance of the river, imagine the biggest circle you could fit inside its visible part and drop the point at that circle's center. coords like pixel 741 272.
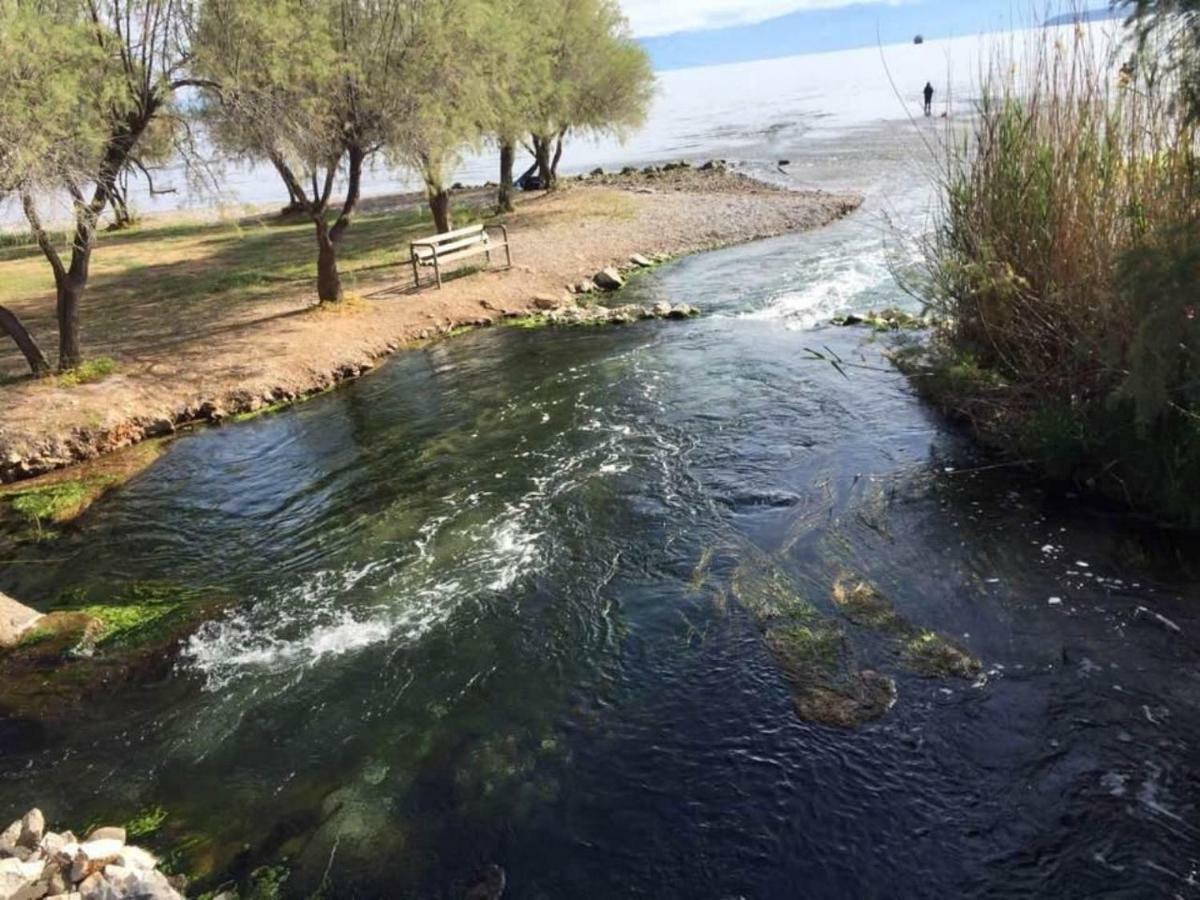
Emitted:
pixel 487 613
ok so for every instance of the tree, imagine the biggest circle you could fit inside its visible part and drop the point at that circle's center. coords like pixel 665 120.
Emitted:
pixel 445 77
pixel 600 79
pixel 315 87
pixel 82 81
pixel 517 50
pixel 49 122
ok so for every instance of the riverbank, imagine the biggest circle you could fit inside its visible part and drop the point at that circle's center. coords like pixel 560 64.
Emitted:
pixel 187 356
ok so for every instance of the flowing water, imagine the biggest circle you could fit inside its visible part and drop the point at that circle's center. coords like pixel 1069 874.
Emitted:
pixel 488 613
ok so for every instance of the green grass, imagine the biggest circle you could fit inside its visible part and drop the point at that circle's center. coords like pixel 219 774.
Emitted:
pixel 154 283
pixel 87 372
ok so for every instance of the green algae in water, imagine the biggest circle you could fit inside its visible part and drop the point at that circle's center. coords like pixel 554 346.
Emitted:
pixel 267 409
pixel 928 653
pixel 921 650
pixel 811 651
pixel 700 573
pixel 146 822
pixel 138 613
pixel 53 503
pixel 800 646
pixel 863 605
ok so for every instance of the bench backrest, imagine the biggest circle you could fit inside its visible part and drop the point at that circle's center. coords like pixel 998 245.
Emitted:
pixel 450 241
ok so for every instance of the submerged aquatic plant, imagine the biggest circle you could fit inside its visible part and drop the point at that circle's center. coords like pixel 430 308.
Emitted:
pixel 922 650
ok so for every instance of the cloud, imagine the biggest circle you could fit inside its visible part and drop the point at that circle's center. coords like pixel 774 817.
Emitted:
pixel 654 17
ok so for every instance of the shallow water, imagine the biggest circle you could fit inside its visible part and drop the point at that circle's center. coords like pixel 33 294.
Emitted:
pixel 475 623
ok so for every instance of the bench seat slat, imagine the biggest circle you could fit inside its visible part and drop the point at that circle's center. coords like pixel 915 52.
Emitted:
pixel 458 254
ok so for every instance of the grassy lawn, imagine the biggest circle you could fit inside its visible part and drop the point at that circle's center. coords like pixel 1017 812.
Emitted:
pixel 156 283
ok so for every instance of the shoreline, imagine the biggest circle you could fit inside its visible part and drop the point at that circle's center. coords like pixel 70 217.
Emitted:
pixel 298 350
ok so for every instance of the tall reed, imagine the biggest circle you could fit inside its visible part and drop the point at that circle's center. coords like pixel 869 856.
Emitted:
pixel 1065 267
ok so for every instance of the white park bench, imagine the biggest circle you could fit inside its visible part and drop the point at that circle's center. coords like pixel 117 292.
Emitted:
pixel 454 245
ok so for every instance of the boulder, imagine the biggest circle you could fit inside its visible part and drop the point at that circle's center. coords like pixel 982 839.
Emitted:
pixel 54 844
pixel 661 309
pixel 640 261
pixel 107 833
pixel 587 286
pixel 608 280
pixel 22 880
pixel 137 859
pixel 683 311
pixel 8 840
pixel 15 619
pixel 33 826
pixel 93 856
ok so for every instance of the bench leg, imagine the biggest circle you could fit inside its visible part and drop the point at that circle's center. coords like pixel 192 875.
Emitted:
pixel 416 271
pixel 508 254
pixel 437 271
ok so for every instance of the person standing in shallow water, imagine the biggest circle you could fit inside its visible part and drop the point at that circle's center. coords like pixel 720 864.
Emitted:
pixel 928 98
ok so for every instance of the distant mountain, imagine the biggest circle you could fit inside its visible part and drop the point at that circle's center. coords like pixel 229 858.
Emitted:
pixel 862 24
pixel 1088 15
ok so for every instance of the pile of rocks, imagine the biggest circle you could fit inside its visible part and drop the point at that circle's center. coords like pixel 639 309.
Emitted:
pixel 36 864
pixel 571 314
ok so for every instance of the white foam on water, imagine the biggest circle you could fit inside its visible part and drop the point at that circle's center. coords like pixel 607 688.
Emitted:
pixel 517 551
pixel 845 288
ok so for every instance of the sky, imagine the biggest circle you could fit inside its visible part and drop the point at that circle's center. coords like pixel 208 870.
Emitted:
pixel 682 33
pixel 655 17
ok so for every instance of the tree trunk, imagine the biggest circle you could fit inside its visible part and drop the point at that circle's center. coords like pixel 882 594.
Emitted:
pixel 508 154
pixel 122 218
pixel 439 205
pixel 541 149
pixel 329 280
pixel 558 150
pixel 11 325
pixel 69 294
pixel 69 283
pixel 296 204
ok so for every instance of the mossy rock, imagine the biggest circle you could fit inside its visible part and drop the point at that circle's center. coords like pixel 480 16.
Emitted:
pixel 922 650
pixel 811 650
pixel 92 642
pixel 768 593
pixel 863 605
pixel 806 648
pixel 929 654
pixel 864 697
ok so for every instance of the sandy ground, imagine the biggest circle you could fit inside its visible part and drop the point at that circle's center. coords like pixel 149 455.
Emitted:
pixel 287 347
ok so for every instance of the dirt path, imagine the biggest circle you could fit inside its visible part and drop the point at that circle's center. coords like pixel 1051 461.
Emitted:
pixel 237 359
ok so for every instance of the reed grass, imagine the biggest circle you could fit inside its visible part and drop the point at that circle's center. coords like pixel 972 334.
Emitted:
pixel 1064 270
